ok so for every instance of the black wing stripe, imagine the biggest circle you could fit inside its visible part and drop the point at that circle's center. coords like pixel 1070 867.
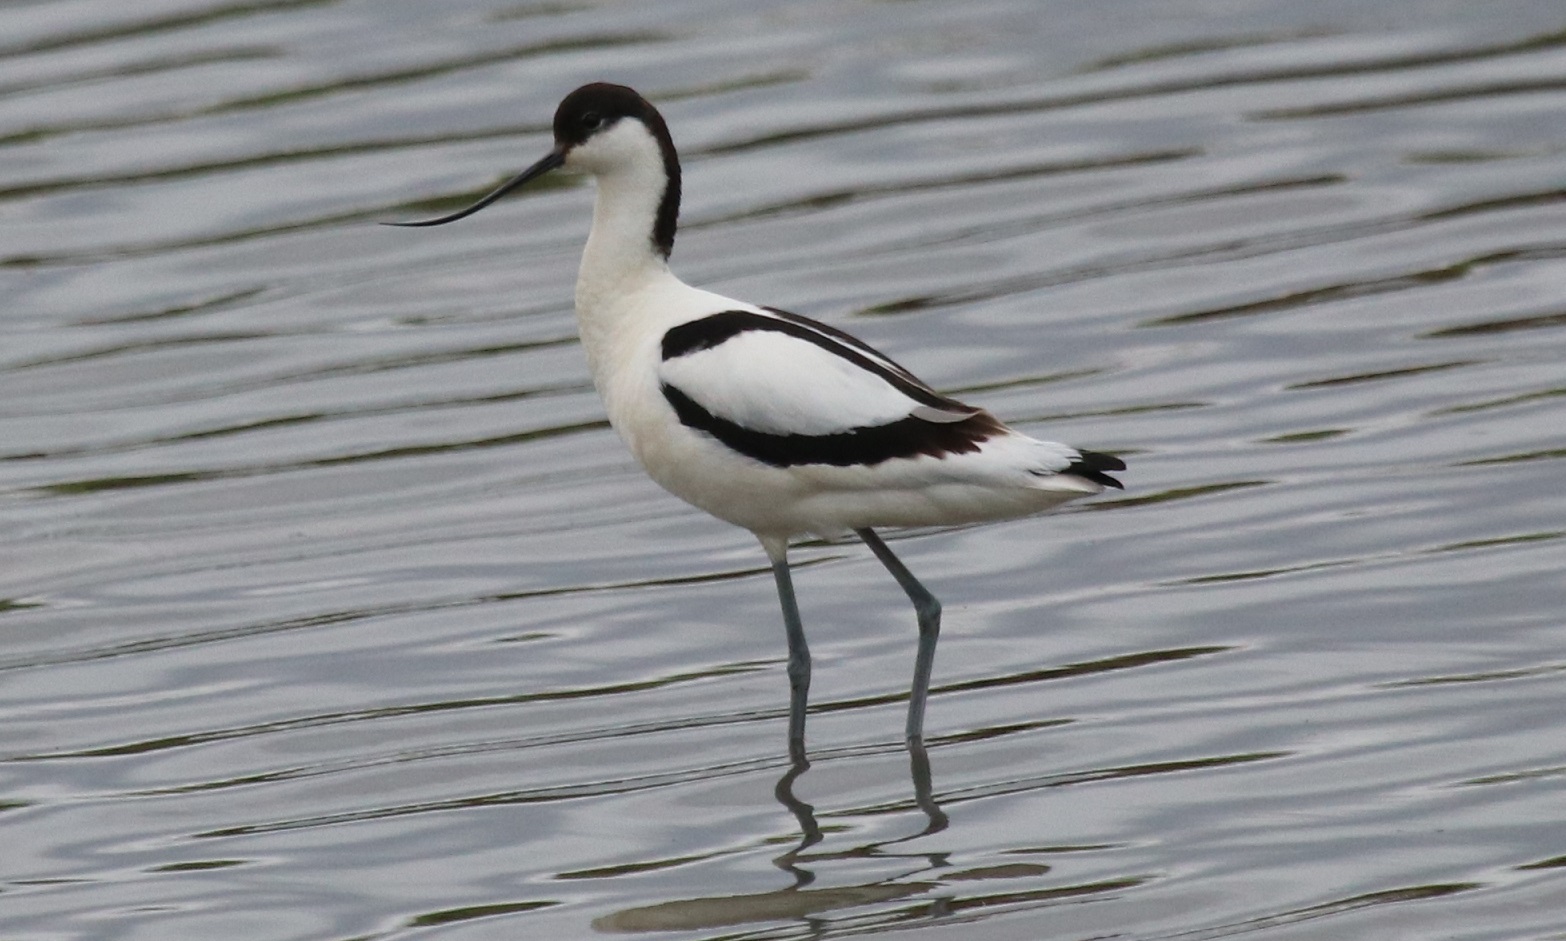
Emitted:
pixel 715 329
pixel 869 445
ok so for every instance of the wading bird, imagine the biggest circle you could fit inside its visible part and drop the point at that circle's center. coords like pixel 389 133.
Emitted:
pixel 766 419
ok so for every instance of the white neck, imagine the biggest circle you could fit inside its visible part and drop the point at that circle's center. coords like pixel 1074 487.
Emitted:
pixel 621 256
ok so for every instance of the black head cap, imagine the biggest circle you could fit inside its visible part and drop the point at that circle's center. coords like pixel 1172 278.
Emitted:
pixel 595 108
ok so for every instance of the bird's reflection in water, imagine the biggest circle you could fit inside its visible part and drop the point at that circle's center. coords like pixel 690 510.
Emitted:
pixel 810 830
pixel 797 900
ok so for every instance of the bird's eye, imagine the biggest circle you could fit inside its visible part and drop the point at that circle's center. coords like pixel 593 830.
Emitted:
pixel 592 120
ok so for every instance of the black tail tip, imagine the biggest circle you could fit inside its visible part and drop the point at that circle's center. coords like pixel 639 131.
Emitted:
pixel 1091 465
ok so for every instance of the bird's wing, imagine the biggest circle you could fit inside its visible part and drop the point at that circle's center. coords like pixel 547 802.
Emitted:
pixel 793 376
pixel 790 391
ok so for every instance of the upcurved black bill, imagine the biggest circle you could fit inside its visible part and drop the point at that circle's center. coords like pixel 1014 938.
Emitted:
pixel 550 162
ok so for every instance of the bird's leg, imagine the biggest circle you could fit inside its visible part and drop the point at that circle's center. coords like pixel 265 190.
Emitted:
pixel 928 610
pixel 798 650
pixel 924 789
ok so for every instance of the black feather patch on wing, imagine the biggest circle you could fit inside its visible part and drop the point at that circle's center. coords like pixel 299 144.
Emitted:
pixel 1091 465
pixel 869 445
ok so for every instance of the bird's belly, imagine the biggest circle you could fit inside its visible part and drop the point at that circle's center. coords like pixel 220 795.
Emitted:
pixel 704 473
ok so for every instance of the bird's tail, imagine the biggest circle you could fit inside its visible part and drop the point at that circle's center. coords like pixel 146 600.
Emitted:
pixel 1091 465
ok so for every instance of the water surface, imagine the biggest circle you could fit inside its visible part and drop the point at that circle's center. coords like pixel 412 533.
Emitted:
pixel 330 607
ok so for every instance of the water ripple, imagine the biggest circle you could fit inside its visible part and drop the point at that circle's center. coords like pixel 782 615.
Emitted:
pixel 323 571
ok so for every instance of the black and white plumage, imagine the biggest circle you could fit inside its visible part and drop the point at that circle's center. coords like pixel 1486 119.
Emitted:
pixel 766 419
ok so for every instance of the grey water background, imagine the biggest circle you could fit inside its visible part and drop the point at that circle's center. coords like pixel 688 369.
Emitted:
pixel 330 607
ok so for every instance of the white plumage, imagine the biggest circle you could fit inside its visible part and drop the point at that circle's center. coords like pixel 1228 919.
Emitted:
pixel 783 385
pixel 765 419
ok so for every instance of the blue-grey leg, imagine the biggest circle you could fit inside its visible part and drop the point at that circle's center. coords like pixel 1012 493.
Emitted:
pixel 798 650
pixel 928 609
pixel 924 788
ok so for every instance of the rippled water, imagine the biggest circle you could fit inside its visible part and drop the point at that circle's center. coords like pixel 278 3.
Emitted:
pixel 331 608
